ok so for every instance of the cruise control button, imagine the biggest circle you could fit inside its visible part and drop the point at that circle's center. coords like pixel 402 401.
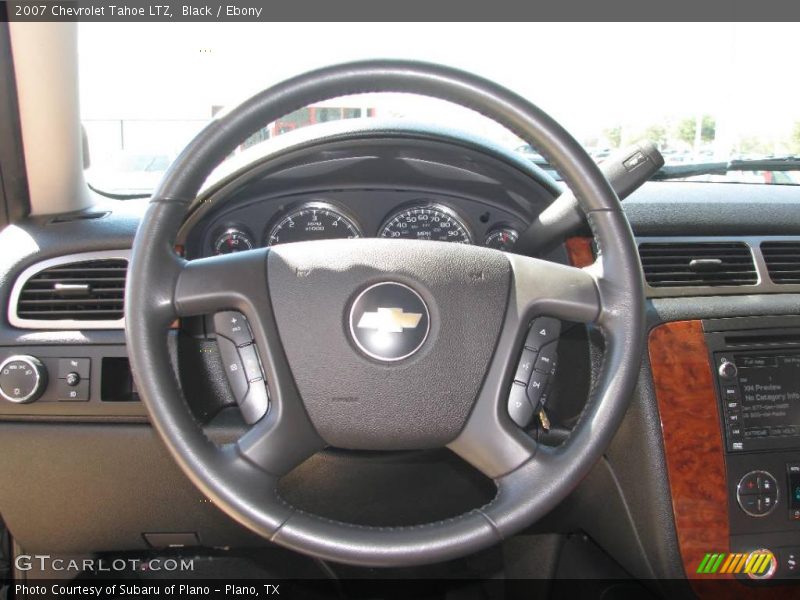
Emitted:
pixel 233 325
pixel 519 409
pixel 536 387
pixel 72 393
pixel 543 331
pixel 525 366
pixel 546 362
pixel 81 366
pixel 252 365
pixel 233 368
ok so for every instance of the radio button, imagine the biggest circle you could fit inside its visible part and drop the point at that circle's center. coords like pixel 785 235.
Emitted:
pixel 730 392
pixel 728 370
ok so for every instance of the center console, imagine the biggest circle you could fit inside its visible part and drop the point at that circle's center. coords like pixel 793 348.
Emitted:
pixel 757 383
pixel 728 394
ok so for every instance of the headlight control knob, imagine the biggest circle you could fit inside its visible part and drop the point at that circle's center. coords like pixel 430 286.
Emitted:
pixel 22 379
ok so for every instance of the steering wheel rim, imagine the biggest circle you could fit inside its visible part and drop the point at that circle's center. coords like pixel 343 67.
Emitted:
pixel 242 478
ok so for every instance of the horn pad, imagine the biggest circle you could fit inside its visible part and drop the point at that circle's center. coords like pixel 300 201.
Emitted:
pixel 388 340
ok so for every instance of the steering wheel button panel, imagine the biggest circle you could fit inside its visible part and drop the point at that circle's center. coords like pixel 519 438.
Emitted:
pixel 251 363
pixel 234 368
pixel 546 361
pixel 234 326
pixel 543 331
pixel 519 408
pixel 525 366
pixel 537 387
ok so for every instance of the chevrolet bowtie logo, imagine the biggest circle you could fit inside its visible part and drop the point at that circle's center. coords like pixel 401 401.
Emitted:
pixel 389 320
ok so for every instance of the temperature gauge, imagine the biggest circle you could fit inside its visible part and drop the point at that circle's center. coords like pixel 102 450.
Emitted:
pixel 233 239
pixel 501 239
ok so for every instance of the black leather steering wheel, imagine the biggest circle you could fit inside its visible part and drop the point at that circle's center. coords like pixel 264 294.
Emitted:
pixel 323 391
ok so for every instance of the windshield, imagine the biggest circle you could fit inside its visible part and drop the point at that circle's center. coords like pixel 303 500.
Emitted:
pixel 702 92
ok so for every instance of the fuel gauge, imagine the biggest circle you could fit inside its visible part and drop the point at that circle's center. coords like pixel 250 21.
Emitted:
pixel 503 238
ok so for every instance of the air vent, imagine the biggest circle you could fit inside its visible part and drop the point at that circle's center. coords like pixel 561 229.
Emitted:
pixel 82 290
pixel 689 264
pixel 782 260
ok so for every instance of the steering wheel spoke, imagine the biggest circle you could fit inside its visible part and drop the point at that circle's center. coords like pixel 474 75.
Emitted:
pixel 542 287
pixel 225 282
pixel 282 440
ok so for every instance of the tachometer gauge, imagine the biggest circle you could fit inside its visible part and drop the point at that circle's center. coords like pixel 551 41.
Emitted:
pixel 313 221
pixel 233 239
pixel 426 222
pixel 502 238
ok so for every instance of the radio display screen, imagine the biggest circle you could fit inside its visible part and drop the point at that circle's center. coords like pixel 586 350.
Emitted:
pixel 770 395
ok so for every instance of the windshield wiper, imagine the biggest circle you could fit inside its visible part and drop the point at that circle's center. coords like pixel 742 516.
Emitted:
pixel 783 163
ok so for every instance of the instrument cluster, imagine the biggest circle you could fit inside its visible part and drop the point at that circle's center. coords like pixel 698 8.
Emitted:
pixel 421 219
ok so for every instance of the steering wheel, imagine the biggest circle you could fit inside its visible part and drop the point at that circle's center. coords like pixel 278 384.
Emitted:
pixel 330 386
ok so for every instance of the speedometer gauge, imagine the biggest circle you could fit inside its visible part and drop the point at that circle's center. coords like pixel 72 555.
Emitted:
pixel 313 221
pixel 426 222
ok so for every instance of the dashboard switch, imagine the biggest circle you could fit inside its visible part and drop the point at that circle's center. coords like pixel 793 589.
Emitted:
pixel 757 493
pixel 72 393
pixel 81 366
pixel 22 379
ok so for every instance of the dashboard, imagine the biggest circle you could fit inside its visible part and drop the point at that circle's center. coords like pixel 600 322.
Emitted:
pixel 673 460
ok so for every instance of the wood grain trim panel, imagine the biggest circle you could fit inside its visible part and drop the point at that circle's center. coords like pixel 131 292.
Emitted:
pixel 693 443
pixel 579 251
